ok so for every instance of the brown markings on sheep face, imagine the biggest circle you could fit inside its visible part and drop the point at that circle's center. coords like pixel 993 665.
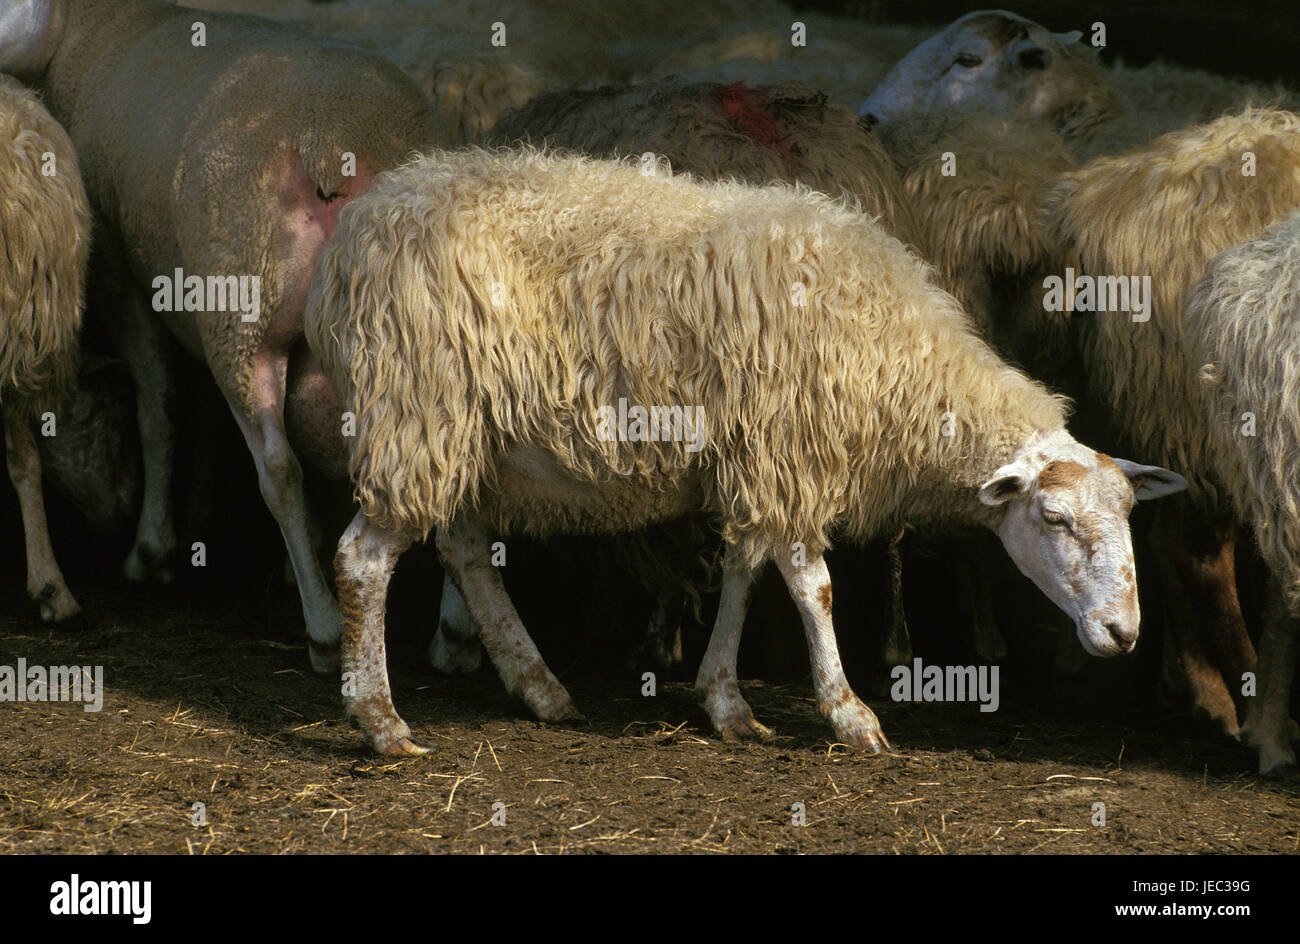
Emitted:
pixel 1061 474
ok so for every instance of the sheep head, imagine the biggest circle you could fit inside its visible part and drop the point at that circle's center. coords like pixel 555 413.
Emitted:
pixel 990 61
pixel 1064 521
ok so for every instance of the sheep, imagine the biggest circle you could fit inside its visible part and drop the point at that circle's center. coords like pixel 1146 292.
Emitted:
pixel 45 235
pixel 251 144
pixel 1060 91
pixel 1243 324
pixel 711 131
pixel 1011 67
pixel 757 135
pixel 487 313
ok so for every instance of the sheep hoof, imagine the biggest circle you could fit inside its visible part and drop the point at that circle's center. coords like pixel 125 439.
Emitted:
pixel 565 712
pixel 399 747
pixel 743 728
pixel 856 727
pixel 57 607
pixel 147 566
pixel 453 658
pixel 1277 763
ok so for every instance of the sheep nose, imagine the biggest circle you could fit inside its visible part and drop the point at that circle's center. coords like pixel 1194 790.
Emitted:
pixel 1125 638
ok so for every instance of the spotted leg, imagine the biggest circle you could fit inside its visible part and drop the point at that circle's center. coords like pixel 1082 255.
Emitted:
pixel 465 550
pixel 363 566
pixel 810 587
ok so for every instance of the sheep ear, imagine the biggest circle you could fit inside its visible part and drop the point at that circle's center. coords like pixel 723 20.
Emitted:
pixel 1068 39
pixel 1151 481
pixel 1008 482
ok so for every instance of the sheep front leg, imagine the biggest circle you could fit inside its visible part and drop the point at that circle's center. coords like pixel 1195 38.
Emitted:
pixel 716 684
pixel 466 556
pixel 45 582
pixel 1268 724
pixel 363 566
pixel 455 649
pixel 854 723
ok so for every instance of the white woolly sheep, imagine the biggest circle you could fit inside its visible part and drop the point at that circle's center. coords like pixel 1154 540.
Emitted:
pixel 258 139
pixel 45 240
pixel 1243 321
pixel 489 314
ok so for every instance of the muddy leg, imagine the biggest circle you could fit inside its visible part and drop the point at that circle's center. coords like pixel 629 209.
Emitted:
pixel 716 683
pixel 45 582
pixel 455 649
pixel 466 556
pixel 363 566
pixel 854 723
pixel 1207 646
pixel 280 477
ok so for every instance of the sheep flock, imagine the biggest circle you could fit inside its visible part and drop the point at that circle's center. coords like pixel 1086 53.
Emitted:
pixel 682 291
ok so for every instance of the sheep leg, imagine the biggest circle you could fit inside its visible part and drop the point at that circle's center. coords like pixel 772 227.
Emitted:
pixel 1208 645
pixel 363 567
pixel 896 648
pixel 148 359
pixel 1268 724
pixel 279 476
pixel 45 582
pixel 456 649
pixel 465 551
pixel 854 723
pixel 716 684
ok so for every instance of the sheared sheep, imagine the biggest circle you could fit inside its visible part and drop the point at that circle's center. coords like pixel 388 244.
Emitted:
pixel 486 314
pixel 222 155
pixel 1011 67
pixel 1243 322
pixel 44 245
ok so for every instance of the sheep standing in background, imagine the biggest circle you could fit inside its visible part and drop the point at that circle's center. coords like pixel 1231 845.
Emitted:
pixel 486 313
pixel 1007 66
pixel 218 155
pixel 1243 321
pixel 44 245
pixel 758 135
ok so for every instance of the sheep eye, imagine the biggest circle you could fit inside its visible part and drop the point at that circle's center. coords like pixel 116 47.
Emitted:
pixel 1054 517
pixel 967 61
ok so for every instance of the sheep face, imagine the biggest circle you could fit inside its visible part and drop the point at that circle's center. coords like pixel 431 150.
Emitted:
pixel 989 60
pixel 1064 522
pixel 27 29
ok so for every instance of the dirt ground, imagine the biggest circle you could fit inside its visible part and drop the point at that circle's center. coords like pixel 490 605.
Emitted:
pixel 207 704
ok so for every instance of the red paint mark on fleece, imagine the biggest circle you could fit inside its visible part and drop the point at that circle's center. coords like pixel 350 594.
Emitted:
pixel 749 112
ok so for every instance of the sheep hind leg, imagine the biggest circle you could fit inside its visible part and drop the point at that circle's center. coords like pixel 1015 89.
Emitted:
pixel 363 567
pixel 855 724
pixel 279 476
pixel 1268 725
pixel 717 684
pixel 456 648
pixel 148 355
pixel 466 557
pixel 45 583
